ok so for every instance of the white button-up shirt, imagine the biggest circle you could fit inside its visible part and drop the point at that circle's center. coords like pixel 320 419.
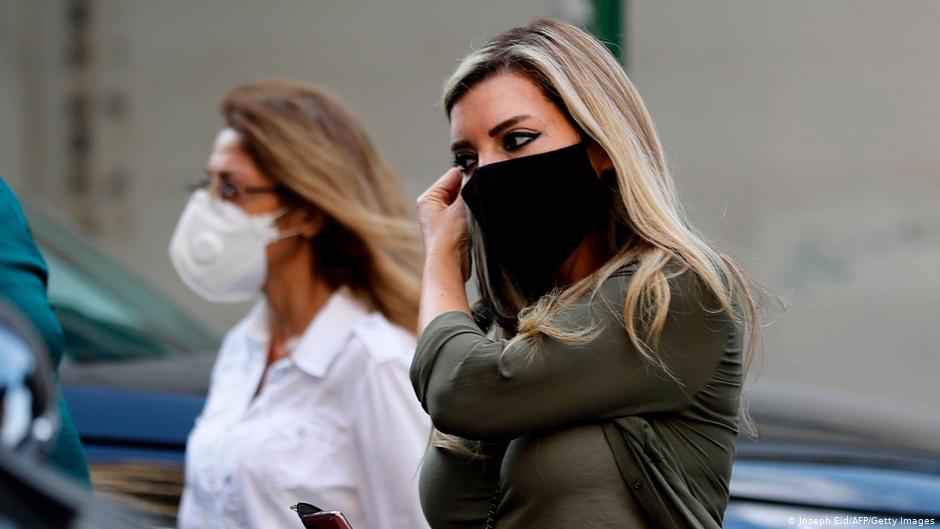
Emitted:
pixel 336 424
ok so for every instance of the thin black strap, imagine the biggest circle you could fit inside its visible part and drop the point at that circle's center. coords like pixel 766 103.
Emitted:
pixel 494 505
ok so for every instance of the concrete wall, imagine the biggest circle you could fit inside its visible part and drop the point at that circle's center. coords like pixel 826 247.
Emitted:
pixel 172 62
pixel 803 136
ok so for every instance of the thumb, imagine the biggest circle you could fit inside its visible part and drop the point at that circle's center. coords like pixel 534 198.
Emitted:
pixel 447 187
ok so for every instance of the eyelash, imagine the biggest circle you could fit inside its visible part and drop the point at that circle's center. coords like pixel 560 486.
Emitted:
pixel 461 160
pixel 465 160
pixel 528 136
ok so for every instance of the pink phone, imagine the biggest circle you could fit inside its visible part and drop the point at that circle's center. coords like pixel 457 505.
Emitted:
pixel 315 518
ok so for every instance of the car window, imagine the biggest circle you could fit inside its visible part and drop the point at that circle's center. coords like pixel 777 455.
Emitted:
pixel 97 325
pixel 68 288
pixel 119 332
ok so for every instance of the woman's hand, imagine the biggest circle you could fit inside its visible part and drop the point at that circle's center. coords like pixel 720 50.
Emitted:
pixel 443 218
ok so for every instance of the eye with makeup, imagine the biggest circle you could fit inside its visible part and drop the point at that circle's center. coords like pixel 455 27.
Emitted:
pixel 511 141
pixel 518 139
pixel 463 161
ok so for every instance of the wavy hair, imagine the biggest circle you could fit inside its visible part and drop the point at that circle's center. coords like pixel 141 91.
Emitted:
pixel 306 142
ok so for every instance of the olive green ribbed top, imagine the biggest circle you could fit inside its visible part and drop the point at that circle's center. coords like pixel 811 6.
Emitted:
pixel 591 435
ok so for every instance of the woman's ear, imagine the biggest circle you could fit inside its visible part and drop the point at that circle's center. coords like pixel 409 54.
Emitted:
pixel 309 222
pixel 600 160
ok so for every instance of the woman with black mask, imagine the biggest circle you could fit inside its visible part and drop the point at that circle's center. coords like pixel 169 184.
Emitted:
pixel 596 382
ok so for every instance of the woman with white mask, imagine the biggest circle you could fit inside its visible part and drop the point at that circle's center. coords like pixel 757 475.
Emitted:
pixel 310 398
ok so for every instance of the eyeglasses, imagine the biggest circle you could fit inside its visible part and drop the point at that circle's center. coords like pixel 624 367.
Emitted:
pixel 226 189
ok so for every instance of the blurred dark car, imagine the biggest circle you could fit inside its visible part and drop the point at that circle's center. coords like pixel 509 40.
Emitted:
pixel 831 459
pixel 135 371
pixel 138 369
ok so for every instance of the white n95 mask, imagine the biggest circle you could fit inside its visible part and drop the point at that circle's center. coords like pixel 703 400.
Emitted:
pixel 219 250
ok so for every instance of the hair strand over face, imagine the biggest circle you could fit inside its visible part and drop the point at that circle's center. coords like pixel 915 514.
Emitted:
pixel 307 143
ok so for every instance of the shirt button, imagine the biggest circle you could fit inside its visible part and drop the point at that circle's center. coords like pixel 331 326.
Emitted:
pixel 637 485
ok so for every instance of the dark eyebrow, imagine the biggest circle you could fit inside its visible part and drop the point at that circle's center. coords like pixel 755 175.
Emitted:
pixel 225 173
pixel 503 125
pixel 460 145
pixel 507 123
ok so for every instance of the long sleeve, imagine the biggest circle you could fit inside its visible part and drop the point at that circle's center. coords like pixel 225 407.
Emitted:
pixel 484 389
pixel 391 434
pixel 23 277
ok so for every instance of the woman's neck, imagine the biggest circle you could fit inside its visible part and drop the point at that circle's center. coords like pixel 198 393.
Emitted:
pixel 586 259
pixel 295 294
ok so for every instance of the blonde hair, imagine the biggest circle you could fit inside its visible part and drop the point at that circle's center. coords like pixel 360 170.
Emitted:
pixel 647 223
pixel 307 143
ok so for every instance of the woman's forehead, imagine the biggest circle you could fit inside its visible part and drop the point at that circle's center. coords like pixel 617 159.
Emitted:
pixel 229 155
pixel 495 99
pixel 227 149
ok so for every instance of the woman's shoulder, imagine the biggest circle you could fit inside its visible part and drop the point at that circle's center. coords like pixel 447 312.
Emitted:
pixel 384 341
pixel 235 348
pixel 694 321
pixel 253 324
pixel 683 281
pixel 690 298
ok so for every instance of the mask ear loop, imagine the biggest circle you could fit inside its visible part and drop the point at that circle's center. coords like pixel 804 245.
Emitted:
pixel 285 234
pixel 288 233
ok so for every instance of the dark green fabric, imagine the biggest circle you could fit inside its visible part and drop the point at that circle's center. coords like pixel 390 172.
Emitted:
pixel 549 413
pixel 23 276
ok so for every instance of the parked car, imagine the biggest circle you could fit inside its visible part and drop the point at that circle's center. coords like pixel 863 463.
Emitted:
pixel 138 370
pixel 831 459
pixel 34 496
pixel 135 372
pixel 818 455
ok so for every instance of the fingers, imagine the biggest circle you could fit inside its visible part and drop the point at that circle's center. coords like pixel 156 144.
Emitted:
pixel 445 190
pixel 449 181
pixel 457 207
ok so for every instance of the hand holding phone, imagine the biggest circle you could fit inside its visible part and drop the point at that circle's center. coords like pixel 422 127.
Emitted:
pixel 314 517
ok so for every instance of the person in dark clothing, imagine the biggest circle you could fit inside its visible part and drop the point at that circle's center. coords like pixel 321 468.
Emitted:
pixel 23 277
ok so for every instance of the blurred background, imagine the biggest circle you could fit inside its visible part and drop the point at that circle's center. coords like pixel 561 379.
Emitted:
pixel 804 137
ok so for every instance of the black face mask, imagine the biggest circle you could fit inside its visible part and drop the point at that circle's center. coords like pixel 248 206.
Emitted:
pixel 534 211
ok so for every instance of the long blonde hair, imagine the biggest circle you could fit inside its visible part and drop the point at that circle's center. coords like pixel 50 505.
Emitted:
pixel 305 141
pixel 646 224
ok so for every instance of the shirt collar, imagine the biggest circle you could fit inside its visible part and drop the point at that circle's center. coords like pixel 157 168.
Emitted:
pixel 324 337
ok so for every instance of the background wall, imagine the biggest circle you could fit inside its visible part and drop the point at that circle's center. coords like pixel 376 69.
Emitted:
pixel 171 63
pixel 803 136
